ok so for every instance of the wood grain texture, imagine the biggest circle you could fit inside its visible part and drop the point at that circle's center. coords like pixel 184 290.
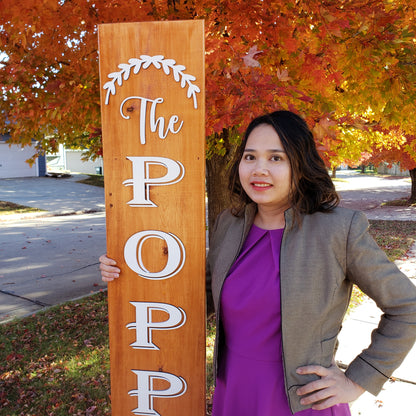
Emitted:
pixel 180 206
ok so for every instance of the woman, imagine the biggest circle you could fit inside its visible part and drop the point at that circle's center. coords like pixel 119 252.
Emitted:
pixel 282 263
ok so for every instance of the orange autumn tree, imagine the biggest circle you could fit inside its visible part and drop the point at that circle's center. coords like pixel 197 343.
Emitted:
pixel 403 153
pixel 346 66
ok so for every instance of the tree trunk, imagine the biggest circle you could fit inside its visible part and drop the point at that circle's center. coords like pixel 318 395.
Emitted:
pixel 334 173
pixel 217 188
pixel 217 184
pixel 412 198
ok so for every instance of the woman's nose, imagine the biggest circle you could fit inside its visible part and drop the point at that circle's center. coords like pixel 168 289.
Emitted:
pixel 260 169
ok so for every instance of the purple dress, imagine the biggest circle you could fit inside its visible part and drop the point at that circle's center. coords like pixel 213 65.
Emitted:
pixel 250 377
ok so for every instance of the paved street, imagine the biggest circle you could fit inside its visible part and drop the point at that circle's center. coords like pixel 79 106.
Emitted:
pixel 50 257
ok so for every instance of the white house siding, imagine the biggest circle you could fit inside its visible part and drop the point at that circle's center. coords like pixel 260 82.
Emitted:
pixel 13 161
pixel 73 163
pixel 394 170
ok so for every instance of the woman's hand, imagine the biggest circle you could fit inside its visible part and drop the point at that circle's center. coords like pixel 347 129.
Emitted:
pixel 332 388
pixel 108 268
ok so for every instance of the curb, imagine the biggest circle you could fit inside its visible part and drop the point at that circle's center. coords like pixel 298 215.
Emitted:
pixel 46 214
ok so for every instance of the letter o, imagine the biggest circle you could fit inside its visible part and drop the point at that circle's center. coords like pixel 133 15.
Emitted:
pixel 133 254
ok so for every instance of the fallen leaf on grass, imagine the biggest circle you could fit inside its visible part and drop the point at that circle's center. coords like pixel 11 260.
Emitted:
pixel 14 357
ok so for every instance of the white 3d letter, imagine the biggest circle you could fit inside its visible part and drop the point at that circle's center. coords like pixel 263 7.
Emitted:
pixel 158 123
pixel 175 249
pixel 144 324
pixel 145 391
pixel 142 181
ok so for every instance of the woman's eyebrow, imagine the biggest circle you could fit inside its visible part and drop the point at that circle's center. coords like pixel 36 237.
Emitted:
pixel 269 150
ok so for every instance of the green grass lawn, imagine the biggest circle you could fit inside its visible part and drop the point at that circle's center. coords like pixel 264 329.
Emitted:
pixel 394 237
pixel 95 180
pixel 56 362
pixel 12 208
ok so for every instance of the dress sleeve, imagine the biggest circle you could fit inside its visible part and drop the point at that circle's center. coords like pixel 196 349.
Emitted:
pixel 394 293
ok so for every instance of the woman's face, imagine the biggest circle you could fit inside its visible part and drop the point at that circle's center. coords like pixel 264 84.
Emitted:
pixel 264 170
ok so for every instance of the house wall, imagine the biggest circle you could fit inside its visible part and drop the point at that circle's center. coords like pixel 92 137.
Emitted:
pixel 74 163
pixel 13 161
pixel 68 160
pixel 393 170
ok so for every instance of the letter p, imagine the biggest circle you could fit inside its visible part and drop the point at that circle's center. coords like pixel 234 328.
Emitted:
pixel 145 323
pixel 142 181
pixel 146 391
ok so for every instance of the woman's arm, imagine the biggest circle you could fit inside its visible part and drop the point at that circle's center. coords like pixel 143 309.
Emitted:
pixel 394 293
pixel 368 267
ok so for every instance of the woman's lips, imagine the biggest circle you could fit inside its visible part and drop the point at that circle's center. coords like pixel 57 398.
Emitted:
pixel 261 185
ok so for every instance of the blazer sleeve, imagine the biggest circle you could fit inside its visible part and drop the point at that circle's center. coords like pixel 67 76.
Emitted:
pixel 394 293
pixel 208 276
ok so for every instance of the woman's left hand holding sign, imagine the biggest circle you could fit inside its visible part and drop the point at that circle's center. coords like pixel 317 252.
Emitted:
pixel 109 269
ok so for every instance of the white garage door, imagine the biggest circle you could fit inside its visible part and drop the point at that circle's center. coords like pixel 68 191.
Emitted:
pixel 12 162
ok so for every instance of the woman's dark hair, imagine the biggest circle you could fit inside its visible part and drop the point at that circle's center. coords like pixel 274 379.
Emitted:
pixel 312 188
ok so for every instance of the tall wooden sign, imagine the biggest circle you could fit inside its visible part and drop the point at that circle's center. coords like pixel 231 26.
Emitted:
pixel 152 102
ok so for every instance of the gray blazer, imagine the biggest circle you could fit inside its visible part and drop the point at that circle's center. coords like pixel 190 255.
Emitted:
pixel 319 262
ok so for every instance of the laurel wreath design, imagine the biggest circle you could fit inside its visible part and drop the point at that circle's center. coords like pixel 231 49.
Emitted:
pixel 159 62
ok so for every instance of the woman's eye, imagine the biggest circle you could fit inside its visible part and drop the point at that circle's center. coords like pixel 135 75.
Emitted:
pixel 276 158
pixel 248 157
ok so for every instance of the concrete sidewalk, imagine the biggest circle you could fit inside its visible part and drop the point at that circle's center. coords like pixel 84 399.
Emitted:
pixel 367 193
pixel 50 257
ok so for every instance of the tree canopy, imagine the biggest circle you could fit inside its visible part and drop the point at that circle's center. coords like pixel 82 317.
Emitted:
pixel 348 67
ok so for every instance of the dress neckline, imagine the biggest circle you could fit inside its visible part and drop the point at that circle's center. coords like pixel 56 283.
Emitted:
pixel 264 229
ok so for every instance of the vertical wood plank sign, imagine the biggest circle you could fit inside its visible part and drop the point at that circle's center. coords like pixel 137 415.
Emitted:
pixel 152 103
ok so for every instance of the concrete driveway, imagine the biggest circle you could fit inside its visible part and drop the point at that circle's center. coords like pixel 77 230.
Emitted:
pixel 56 195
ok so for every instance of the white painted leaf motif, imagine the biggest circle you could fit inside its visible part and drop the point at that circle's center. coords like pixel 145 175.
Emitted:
pixel 177 72
pixel 136 63
pixel 167 64
pixel 125 70
pixel 158 61
pixel 192 89
pixel 116 76
pixel 186 78
pixel 147 61
pixel 110 87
